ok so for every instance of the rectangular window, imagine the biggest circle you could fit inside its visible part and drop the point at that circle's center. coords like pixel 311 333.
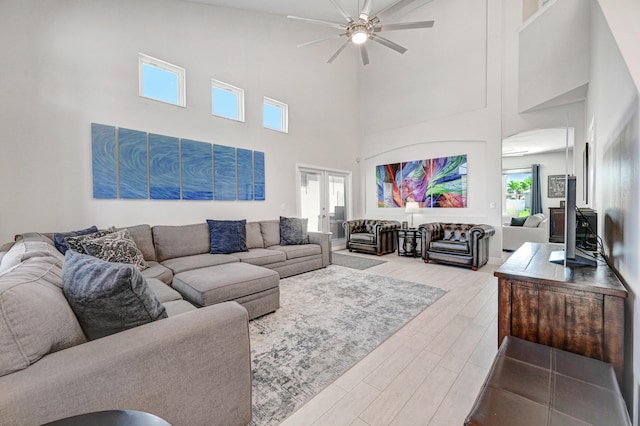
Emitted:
pixel 517 192
pixel 161 81
pixel 275 115
pixel 227 101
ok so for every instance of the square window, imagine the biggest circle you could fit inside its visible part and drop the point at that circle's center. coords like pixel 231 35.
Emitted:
pixel 227 101
pixel 275 115
pixel 161 81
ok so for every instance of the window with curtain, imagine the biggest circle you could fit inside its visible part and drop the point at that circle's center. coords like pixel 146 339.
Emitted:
pixel 516 185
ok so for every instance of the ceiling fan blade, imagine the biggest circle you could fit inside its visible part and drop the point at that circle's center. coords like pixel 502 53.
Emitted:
pixel 342 11
pixel 322 39
pixel 388 43
pixel 317 21
pixel 404 26
pixel 393 8
pixel 364 54
pixel 366 10
pixel 335 55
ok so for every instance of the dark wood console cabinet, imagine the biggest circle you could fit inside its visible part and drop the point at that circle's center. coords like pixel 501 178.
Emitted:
pixel 580 310
pixel 556 224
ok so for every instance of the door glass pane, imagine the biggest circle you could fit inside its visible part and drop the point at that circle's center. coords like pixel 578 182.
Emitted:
pixel 337 205
pixel 311 199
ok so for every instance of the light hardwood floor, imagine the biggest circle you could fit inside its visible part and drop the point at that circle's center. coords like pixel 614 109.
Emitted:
pixel 430 371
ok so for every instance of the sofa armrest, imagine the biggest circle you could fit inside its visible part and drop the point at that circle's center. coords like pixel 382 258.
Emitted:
pixel 323 239
pixel 482 231
pixel 193 368
pixel 352 226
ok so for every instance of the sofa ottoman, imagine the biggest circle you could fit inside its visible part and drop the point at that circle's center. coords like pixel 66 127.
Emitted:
pixel 254 287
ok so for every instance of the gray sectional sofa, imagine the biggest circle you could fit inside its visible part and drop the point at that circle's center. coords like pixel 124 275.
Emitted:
pixel 191 368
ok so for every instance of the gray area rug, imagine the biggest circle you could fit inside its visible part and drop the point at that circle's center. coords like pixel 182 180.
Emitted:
pixel 354 262
pixel 329 320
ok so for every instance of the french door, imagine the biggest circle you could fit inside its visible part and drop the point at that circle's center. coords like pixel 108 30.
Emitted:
pixel 324 199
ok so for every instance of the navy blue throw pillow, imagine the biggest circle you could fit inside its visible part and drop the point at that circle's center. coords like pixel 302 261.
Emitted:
pixel 61 244
pixel 293 231
pixel 518 221
pixel 227 236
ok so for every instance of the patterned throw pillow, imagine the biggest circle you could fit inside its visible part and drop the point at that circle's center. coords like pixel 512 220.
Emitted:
pixel 107 297
pixel 293 231
pixel 116 247
pixel 75 242
pixel 227 236
pixel 58 238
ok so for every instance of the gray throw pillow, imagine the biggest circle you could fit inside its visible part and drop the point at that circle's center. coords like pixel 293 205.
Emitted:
pixel 61 245
pixel 116 247
pixel 293 231
pixel 107 297
pixel 227 236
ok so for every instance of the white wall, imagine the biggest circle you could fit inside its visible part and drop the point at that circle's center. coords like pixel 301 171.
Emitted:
pixel 69 63
pixel 613 106
pixel 556 59
pixel 441 99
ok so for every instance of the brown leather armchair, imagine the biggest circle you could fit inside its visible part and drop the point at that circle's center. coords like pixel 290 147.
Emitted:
pixel 371 236
pixel 456 243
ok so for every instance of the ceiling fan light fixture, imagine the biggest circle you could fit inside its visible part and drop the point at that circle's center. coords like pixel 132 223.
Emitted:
pixel 359 36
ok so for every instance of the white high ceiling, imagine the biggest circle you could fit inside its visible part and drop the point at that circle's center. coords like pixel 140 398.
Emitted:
pixel 537 141
pixel 316 9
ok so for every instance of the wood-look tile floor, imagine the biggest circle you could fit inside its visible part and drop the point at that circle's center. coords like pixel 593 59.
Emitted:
pixel 430 371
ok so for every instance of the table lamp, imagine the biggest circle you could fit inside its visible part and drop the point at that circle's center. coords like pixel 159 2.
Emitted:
pixel 412 207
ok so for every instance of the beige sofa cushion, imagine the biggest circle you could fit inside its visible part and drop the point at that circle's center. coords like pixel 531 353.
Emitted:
pixel 270 230
pixel 35 318
pixel 254 235
pixel 180 241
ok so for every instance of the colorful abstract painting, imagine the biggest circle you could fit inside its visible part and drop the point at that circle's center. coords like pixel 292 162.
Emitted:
pixel 436 182
pixel 388 180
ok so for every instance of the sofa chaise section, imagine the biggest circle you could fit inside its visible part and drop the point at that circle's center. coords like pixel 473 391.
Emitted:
pixel 182 368
pixel 190 369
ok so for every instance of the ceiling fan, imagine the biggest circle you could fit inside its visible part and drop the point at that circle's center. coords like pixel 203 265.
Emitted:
pixel 358 31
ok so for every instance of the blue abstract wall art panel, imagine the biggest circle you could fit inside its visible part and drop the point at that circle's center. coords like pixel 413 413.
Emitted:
pixel 104 161
pixel 164 167
pixel 258 176
pixel 245 174
pixel 132 164
pixel 196 170
pixel 224 172
pixel 132 149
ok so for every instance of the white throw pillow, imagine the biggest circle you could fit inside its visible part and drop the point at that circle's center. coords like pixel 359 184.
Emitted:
pixel 532 221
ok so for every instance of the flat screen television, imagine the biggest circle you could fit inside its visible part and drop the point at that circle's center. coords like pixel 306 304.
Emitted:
pixel 568 256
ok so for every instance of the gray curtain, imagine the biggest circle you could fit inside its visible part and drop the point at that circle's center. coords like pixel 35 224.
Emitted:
pixel 536 190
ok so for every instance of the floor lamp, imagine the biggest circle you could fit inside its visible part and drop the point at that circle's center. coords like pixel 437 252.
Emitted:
pixel 412 207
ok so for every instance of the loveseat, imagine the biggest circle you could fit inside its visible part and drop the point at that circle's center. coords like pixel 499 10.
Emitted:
pixel 533 229
pixel 371 236
pixel 191 368
pixel 456 243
